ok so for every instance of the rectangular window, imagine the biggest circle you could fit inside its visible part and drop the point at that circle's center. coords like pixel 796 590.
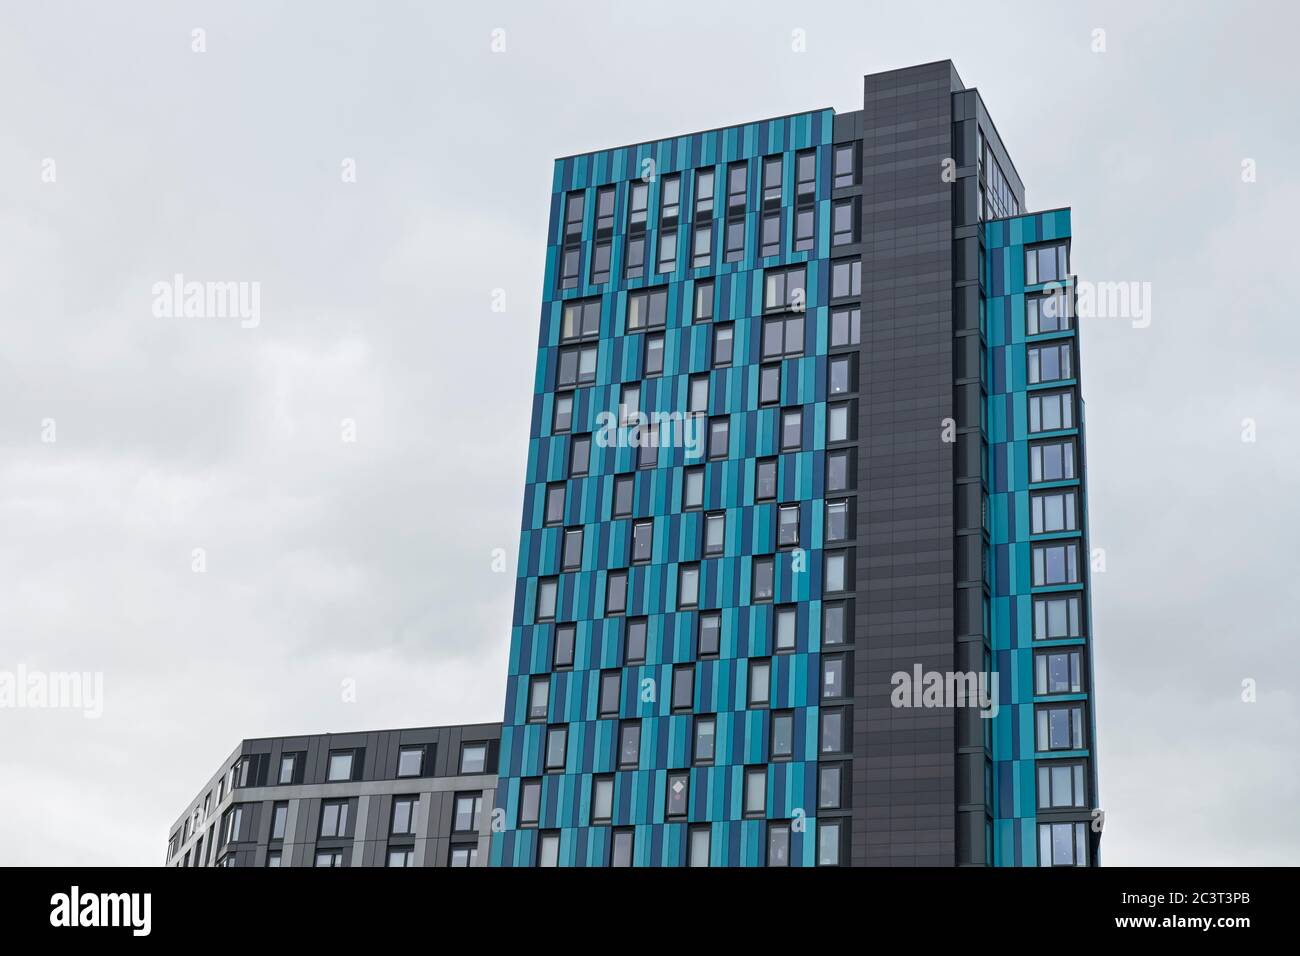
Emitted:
pixel 765 479
pixel 702 246
pixel 602 799
pixel 770 235
pixel 473 758
pixel 601 254
pixel 697 853
pixel 772 166
pixel 805 166
pixel 719 437
pixel 1056 563
pixel 844 222
pixel 832 677
pixel 677 795
pixel 329 858
pixel 634 264
pixel 563 419
pixel 1049 411
pixel 653 365
pixel 547 594
pixel 564 641
pixel 697 402
pixel 706 730
pixel 1059 726
pixel 755 791
pixel 837 522
pixel 829 838
pixel 288 764
pixel 557 745
pixel 403 819
pixel 791 429
pixel 805 225
pixel 683 688
pixel 734 250
pixel 333 819
pixel 581 320
pixel 778 844
pixel 829 795
pixel 279 818
pixel 635 640
pixel 1050 363
pixel 1058 671
pixel 539 698
pixel 579 455
pixel 846 165
pixel 647 449
pixel 1057 617
pixel 840 375
pixel 624 492
pixel 1053 511
pixel 577 365
pixel 709 640
pixel 723 337
pixel 715 533
pixel 769 384
pixel 1052 461
pixel 784 289
pixel 340 766
pixel 834 622
pixel 785 629
pixel 782 735
pixel 846 278
pixel 616 592
pixel 846 327
pixel 703 302
pixel 638 203
pixel 464 856
pixel 548 849
pixel 737 182
pixel 605 202
pixel 1051 311
pixel 643 541
pixel 571 556
pixel 1048 263
pixel 611 689
pixel 703 193
pixel 629 744
pixel 530 802
pixel 647 309
pixel 469 808
pixel 837 572
pixel 273 858
pixel 760 683
pixel 554 504
pixel 783 336
pixel 832 731
pixel 764 578
pixel 839 470
pixel 621 851
pixel 1062 844
pixel 688 586
pixel 839 422
pixel 693 488
pixel 670 200
pixel 787 526
pixel 1061 785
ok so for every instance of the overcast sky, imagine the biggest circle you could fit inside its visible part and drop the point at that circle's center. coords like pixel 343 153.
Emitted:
pixel 371 561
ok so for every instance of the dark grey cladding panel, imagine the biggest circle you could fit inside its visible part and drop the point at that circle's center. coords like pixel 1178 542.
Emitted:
pixel 904 807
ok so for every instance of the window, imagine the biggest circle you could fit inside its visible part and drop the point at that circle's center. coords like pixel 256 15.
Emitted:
pixel 770 235
pixel 1056 563
pixel 1060 726
pixel 805 219
pixel 837 522
pixel 600 257
pixel 805 165
pixel 579 455
pixel 634 641
pixel 697 852
pixel 838 470
pixel 1046 264
pixel 703 193
pixel 785 629
pixel 765 472
pixel 563 419
pixel 581 320
pixel 755 791
pixel 288 764
pixel 734 250
pixel 340 766
pixel 1052 461
pixel 468 812
pixel 624 487
pixel 1050 363
pixel 760 683
pixel 638 202
pixel 465 855
pixel 832 677
pixel 838 422
pixel 577 365
pixel 769 385
pixel 1058 672
pixel 1062 844
pixel 787 526
pixel 846 327
pixel 629 744
pixel 764 575
pixel 844 225
pixel 1050 410
pixel 647 309
pixel 547 589
pixel 634 266
pixel 683 688
pixel 1057 617
pixel 629 403
pixel 410 761
pixel 846 278
pixel 778 844
pixel 571 559
pixel 530 802
pixel 715 533
pixel 557 743
pixel 333 819
pixel 621 848
pixel 828 842
pixel 832 731
pixel 574 204
pixel 653 363
pixel 719 437
pixel 783 289
pixel 1048 312
pixel 1060 784
pixel 693 488
pixel 548 849
pixel 709 640
pixel 616 592
pixel 840 374
pixel 697 402
pixel 643 540
pixel 602 799
pixel 702 245
pixel 473 758
pixel 647 451
pixel 703 302
pixel 401 856
pixel 791 429
pixel 772 166
pixel 723 338
pixel 783 337
pixel 677 795
pixel 562 658
pixel 279 818
pixel 706 731
pixel 605 197
pixel 554 504
pixel 273 858
pixel 232 825
pixel 782 737
pixel 828 786
pixel 539 698
pixel 1053 511
pixel 737 181
pixel 688 586
pixel 670 200
pixel 846 165
pixel 834 622
pixel 611 685
pixel 403 822
pixel 329 858
pixel 837 572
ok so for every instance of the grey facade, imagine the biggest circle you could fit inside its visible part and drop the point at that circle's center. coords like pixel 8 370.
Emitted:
pixel 414 797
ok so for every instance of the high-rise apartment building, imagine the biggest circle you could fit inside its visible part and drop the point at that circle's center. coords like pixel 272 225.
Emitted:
pixel 805 488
